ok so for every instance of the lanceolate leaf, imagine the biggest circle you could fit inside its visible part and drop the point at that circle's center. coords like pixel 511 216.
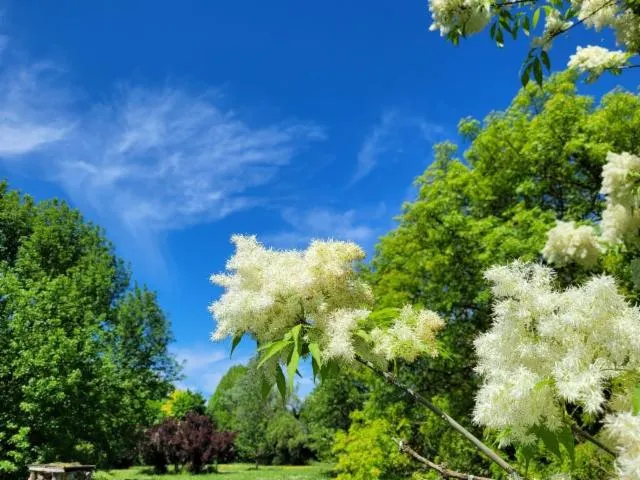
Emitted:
pixel 234 343
pixel 273 349
pixel 281 383
pixel 315 353
pixel 292 367
pixel 636 400
pixel 567 440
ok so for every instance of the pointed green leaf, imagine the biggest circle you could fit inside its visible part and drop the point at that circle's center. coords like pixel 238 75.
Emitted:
pixel 281 383
pixel 273 349
pixel 524 77
pixel 492 30
pixel 545 59
pixel 265 387
pixel 234 343
pixel 567 440
pixel 536 18
pixel 314 368
pixel 314 348
pixel 550 440
pixel 500 38
pixel 635 400
pixel 537 71
pixel 292 367
pixel 526 26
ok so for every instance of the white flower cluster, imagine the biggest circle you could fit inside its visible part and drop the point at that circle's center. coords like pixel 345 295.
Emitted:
pixel 595 60
pixel 468 16
pixel 555 24
pixel 624 430
pixel 413 334
pixel 621 217
pixel 548 347
pixel 567 243
pixel 596 13
pixel 267 292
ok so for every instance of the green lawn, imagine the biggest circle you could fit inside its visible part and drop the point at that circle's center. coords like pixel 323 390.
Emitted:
pixel 237 471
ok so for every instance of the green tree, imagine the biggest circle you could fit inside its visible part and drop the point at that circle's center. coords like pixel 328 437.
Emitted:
pixel 220 407
pixel 82 356
pixel 538 161
pixel 181 402
pixel 328 408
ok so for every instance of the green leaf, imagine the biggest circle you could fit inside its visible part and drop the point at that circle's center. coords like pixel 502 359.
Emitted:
pixel 550 440
pixel 536 17
pixel 234 343
pixel 500 38
pixel 315 353
pixel 635 400
pixel 526 26
pixel 537 71
pixel 281 383
pixel 383 317
pixel 527 452
pixel 567 440
pixel 315 368
pixel 265 387
pixel 292 367
pixel 545 59
pixel 524 77
pixel 492 30
pixel 273 349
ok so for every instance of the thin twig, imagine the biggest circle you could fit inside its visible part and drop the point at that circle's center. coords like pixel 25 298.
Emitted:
pixel 493 456
pixel 445 472
pixel 514 2
pixel 590 438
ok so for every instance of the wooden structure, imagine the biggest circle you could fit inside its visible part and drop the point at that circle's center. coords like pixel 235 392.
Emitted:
pixel 61 471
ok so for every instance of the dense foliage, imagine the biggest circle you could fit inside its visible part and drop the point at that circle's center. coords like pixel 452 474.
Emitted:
pixel 181 402
pixel 538 161
pixel 83 354
pixel 192 441
pixel 268 430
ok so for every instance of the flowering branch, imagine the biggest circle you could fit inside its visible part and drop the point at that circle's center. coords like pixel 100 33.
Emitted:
pixel 445 472
pixel 493 456
pixel 590 438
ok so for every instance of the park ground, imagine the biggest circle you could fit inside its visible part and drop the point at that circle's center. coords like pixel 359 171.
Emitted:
pixel 237 471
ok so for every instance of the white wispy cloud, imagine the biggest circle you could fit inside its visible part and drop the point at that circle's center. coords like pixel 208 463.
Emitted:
pixel 204 366
pixel 323 223
pixel 32 105
pixel 165 159
pixel 148 159
pixel 386 138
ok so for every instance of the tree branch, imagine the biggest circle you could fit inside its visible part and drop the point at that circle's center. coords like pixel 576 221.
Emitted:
pixel 590 438
pixel 445 472
pixel 493 456
pixel 514 2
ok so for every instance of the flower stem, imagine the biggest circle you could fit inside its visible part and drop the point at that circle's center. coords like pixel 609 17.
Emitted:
pixel 443 471
pixel 590 438
pixel 493 456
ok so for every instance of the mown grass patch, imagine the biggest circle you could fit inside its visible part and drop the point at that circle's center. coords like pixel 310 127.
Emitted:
pixel 236 471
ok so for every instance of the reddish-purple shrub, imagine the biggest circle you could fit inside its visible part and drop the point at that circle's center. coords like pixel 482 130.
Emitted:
pixel 201 444
pixel 192 441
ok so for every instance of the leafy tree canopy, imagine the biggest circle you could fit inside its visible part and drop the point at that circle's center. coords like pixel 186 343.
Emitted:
pixel 83 354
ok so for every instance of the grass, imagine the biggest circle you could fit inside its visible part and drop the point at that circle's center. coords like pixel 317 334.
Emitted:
pixel 236 471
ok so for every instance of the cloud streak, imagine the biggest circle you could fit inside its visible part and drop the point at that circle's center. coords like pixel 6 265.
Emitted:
pixel 386 138
pixel 324 223
pixel 153 159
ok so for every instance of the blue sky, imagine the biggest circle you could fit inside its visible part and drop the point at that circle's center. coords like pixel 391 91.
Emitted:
pixel 176 124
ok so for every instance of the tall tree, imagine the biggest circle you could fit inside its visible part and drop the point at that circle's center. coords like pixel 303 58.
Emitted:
pixel 81 355
pixel 539 160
